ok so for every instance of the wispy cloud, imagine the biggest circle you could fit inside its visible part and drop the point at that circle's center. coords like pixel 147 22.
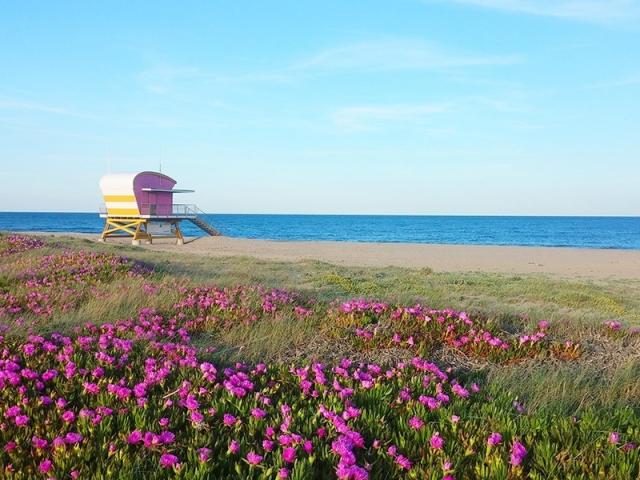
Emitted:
pixel 161 78
pixel 583 10
pixel 363 57
pixel 395 54
pixel 628 81
pixel 360 118
pixel 8 103
pixel 377 117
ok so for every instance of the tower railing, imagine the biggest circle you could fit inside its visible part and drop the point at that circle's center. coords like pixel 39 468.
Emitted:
pixel 152 209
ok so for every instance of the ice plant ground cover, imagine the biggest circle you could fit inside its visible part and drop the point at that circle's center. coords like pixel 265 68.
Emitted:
pixel 143 396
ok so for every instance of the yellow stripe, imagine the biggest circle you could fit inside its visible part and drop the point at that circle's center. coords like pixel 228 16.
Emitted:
pixel 119 198
pixel 123 211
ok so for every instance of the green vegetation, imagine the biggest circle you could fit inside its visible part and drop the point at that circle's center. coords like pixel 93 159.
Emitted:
pixel 557 363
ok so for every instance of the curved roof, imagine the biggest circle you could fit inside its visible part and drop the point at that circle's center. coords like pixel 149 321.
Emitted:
pixel 122 183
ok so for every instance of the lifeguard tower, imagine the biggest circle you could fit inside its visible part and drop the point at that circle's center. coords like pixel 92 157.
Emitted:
pixel 140 206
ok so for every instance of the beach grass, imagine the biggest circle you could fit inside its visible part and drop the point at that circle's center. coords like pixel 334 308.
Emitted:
pixel 547 369
pixel 606 376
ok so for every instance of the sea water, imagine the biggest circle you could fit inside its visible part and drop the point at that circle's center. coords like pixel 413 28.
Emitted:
pixel 585 232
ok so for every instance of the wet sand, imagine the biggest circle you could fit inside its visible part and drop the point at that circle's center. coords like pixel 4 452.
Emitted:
pixel 561 262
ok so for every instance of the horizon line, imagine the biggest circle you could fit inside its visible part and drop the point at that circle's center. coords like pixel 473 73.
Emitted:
pixel 371 214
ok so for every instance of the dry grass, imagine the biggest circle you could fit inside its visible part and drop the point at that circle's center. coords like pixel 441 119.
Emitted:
pixel 607 375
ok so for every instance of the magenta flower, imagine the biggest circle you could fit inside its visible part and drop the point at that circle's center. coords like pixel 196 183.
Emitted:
pixel 58 442
pixel 460 391
pixel 191 403
pixel 614 438
pixel 494 439
pixel 166 437
pixel 289 454
pixel 197 417
pixel 134 437
pixel 68 416
pixel 307 446
pixel 253 458
pixel 416 423
pixel 167 460
pixel 45 465
pixel 39 443
pixel 21 420
pixel 228 420
pixel 436 441
pixel 72 438
pixel 613 325
pixel 204 454
pixel 234 447
pixel 283 474
pixel 403 462
pixel 518 452
pixel 258 413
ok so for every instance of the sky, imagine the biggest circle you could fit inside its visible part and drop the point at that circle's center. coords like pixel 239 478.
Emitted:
pixel 451 107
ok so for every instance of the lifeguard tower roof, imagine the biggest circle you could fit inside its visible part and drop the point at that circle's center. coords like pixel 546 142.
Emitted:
pixel 141 205
pixel 141 195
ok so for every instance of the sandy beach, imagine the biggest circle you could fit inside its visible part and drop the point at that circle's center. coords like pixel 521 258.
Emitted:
pixel 560 262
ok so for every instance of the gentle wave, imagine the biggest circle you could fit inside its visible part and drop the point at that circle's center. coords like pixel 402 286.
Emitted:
pixel 585 232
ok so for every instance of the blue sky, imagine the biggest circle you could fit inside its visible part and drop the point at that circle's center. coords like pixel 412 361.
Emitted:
pixel 391 107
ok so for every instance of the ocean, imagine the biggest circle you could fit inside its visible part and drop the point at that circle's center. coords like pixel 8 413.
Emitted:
pixel 584 232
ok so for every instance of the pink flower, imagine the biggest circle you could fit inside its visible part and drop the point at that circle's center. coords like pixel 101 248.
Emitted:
pixel 494 439
pixel 460 391
pixel 12 411
pixel 253 458
pixel 39 443
pixel 46 465
pixel 228 419
pixel 197 417
pixel 307 446
pixel 436 441
pixel 166 437
pixel 204 454
pixel 258 413
pixel 167 460
pixel 416 423
pixel 134 437
pixel 234 446
pixel 72 438
pixel 283 473
pixel 403 462
pixel 68 416
pixel 58 442
pixel 289 454
pixel 613 325
pixel 614 438
pixel 21 420
pixel 191 403
pixel 518 452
